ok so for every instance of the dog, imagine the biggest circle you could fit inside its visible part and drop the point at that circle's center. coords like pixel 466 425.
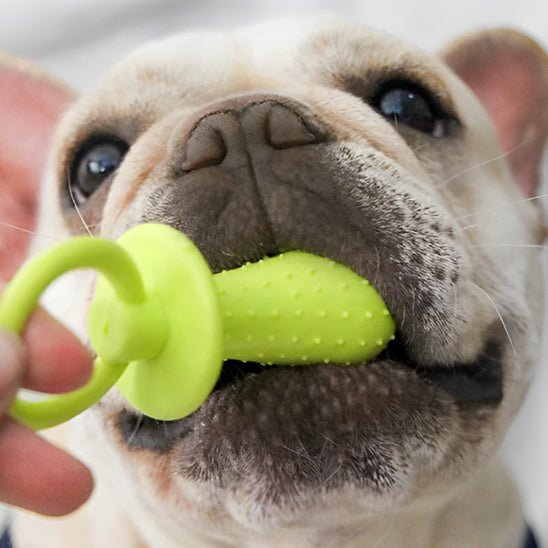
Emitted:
pixel 419 172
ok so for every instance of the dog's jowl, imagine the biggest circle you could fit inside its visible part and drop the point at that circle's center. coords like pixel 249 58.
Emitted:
pixel 334 139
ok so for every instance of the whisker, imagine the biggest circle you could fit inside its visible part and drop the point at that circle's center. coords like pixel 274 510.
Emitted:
pixel 481 164
pixel 136 429
pixel 326 438
pixel 467 227
pixel 306 454
pixel 31 232
pixel 71 194
pixel 529 246
pixel 493 210
pixel 86 230
pixel 396 123
pixel 93 225
pixel 291 450
pixel 498 208
pixel 333 474
pixel 377 271
pixel 504 326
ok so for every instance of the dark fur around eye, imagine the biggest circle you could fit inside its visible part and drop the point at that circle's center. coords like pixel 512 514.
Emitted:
pixel 93 164
pixel 413 106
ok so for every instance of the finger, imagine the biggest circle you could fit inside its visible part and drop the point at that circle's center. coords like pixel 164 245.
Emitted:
pixel 13 361
pixel 39 476
pixel 58 361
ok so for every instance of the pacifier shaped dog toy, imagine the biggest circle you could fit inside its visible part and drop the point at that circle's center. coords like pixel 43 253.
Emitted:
pixel 161 323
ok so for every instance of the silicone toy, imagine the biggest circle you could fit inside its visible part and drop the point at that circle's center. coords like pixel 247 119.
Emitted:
pixel 161 324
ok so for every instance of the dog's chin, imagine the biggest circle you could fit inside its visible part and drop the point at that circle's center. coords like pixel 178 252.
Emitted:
pixel 276 437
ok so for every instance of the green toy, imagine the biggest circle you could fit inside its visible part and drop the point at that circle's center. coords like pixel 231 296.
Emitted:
pixel 161 324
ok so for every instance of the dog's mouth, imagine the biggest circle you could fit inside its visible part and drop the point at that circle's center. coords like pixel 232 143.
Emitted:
pixel 477 381
pixel 330 413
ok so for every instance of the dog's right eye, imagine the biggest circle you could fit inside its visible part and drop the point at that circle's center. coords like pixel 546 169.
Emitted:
pixel 94 164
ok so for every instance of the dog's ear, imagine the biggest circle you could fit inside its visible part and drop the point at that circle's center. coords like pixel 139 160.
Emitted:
pixel 508 71
pixel 31 102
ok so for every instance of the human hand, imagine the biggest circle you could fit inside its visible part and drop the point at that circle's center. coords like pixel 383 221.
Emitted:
pixel 35 474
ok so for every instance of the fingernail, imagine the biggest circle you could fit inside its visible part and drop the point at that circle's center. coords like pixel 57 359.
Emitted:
pixel 12 365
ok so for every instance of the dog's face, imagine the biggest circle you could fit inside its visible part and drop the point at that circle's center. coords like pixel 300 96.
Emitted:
pixel 339 141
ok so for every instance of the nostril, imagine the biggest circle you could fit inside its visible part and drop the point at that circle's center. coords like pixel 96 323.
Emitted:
pixel 285 129
pixel 205 147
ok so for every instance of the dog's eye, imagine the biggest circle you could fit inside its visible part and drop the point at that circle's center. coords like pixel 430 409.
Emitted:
pixel 410 106
pixel 94 164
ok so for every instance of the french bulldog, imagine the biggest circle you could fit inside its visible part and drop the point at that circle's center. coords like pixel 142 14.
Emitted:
pixel 419 172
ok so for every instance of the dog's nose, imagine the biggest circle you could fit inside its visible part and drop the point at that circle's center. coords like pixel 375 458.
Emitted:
pixel 270 122
pixel 285 129
pixel 242 173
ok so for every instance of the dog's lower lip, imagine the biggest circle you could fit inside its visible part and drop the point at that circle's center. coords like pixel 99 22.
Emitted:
pixel 479 381
pixel 234 370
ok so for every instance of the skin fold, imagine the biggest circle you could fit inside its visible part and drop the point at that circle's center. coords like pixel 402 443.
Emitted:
pixel 275 138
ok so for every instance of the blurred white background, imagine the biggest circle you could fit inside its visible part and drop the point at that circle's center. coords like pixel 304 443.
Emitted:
pixel 77 40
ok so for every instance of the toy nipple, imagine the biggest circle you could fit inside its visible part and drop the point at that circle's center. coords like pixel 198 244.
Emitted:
pixel 162 324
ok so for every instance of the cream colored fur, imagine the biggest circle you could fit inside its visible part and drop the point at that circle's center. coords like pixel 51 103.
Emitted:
pixel 137 501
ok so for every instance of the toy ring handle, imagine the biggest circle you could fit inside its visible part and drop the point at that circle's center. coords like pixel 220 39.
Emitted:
pixel 22 294
pixel 160 314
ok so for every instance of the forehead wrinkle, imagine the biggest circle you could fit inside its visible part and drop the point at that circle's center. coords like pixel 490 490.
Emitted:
pixel 374 58
pixel 163 72
pixel 141 91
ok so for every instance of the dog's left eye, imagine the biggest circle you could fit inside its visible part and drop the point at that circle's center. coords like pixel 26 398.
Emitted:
pixel 93 165
pixel 412 107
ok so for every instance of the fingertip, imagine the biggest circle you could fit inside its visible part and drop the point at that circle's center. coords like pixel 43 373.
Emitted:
pixel 58 360
pixel 73 482
pixel 39 476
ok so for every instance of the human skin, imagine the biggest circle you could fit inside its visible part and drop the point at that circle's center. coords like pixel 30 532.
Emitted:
pixel 34 474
